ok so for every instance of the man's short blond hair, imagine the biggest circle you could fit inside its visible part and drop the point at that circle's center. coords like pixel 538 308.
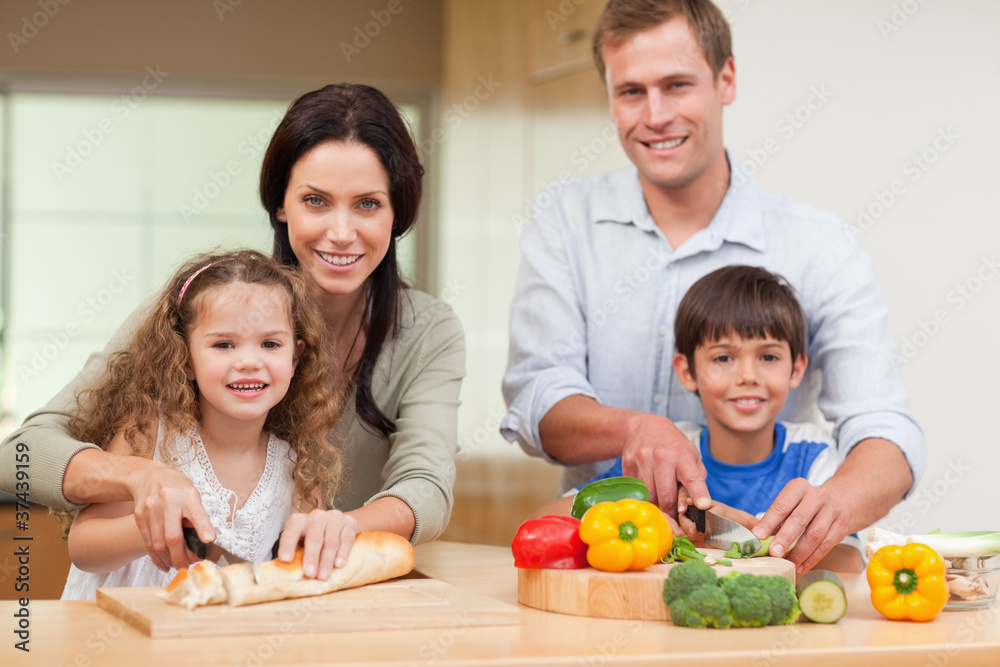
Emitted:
pixel 622 19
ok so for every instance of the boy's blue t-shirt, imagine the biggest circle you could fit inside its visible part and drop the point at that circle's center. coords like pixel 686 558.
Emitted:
pixel 800 450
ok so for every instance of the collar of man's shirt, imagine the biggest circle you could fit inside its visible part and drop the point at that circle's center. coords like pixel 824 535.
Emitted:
pixel 738 220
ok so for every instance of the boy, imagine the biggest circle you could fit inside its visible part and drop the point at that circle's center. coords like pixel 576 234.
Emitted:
pixel 740 336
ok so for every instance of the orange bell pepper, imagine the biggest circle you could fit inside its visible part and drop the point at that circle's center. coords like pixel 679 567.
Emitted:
pixel 908 582
pixel 625 535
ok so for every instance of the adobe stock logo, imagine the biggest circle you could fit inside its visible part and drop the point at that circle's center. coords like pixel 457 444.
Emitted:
pixel 959 297
pixel 915 167
pixel 38 20
pixel 363 36
pixel 94 136
pixel 86 312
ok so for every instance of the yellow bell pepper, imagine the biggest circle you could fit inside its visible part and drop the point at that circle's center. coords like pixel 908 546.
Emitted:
pixel 908 582
pixel 624 535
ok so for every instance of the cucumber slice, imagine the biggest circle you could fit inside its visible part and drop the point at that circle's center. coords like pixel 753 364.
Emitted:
pixel 821 596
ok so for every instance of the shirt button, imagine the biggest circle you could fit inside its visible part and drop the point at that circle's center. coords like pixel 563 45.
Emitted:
pixel 658 398
pixel 664 330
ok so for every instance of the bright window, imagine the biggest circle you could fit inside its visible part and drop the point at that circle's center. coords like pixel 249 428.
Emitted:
pixel 106 196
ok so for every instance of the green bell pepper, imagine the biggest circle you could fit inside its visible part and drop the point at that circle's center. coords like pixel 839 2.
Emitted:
pixel 611 489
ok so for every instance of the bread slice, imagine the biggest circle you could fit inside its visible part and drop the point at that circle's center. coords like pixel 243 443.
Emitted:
pixel 194 586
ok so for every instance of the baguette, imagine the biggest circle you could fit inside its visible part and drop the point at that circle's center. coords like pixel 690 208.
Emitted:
pixel 375 556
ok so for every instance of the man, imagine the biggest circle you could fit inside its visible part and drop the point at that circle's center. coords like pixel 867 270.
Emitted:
pixel 589 376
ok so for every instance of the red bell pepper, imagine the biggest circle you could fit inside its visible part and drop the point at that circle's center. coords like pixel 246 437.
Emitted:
pixel 551 542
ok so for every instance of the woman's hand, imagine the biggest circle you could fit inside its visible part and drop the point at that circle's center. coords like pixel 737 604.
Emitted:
pixel 164 498
pixel 327 536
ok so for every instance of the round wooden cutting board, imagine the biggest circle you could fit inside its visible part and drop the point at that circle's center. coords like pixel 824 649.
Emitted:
pixel 630 595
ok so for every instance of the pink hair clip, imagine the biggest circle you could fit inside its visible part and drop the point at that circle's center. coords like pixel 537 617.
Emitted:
pixel 194 275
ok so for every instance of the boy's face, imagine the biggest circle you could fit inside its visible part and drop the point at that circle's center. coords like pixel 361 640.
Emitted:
pixel 743 383
pixel 667 103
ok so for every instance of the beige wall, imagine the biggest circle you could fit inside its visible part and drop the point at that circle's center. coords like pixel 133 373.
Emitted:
pixel 250 40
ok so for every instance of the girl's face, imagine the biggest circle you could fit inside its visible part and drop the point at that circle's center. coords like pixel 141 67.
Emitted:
pixel 339 216
pixel 243 351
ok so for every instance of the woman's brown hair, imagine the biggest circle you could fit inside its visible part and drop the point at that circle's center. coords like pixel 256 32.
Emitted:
pixel 147 383
pixel 346 113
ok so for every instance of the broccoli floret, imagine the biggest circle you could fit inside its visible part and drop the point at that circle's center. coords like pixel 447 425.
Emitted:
pixel 682 616
pixel 784 605
pixel 699 599
pixel 706 606
pixel 734 578
pixel 760 600
pixel 750 602
pixel 713 604
pixel 685 577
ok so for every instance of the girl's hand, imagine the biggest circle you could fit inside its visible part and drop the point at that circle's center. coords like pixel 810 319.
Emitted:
pixel 327 536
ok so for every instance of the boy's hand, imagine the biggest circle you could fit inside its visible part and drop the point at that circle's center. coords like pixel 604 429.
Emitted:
pixel 660 455
pixel 327 535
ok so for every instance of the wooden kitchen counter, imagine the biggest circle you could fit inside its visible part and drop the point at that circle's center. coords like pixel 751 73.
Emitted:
pixel 81 634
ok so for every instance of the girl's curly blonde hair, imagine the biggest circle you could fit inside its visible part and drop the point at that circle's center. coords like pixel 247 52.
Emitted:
pixel 147 382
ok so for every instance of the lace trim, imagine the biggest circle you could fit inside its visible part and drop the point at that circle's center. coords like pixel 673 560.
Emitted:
pixel 244 531
pixel 223 492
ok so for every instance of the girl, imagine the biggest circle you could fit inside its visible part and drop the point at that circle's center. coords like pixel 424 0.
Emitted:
pixel 227 380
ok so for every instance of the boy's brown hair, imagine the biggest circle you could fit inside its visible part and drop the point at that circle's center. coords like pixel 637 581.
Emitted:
pixel 744 301
pixel 622 19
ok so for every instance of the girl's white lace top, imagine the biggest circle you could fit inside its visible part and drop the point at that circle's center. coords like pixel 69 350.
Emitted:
pixel 249 533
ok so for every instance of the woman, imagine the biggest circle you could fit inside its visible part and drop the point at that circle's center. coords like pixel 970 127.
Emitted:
pixel 341 182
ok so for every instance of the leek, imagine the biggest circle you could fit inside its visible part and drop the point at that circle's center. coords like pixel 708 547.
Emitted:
pixel 749 549
pixel 948 545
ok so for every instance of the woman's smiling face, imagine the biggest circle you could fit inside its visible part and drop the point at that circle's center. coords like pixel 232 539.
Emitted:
pixel 339 215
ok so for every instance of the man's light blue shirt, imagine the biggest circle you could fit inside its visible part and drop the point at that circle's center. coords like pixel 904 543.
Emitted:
pixel 599 285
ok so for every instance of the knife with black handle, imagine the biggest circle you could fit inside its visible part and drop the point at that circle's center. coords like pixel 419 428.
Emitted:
pixel 721 532
pixel 216 553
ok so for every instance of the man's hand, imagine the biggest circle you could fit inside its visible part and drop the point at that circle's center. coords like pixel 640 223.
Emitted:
pixel 868 484
pixel 660 455
pixel 163 499
pixel 327 535
pixel 814 514
pixel 578 429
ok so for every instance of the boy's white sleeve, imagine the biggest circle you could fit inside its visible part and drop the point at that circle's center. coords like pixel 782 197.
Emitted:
pixel 824 467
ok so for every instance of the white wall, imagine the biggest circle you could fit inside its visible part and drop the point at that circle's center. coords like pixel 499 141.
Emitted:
pixel 899 83
pixel 892 83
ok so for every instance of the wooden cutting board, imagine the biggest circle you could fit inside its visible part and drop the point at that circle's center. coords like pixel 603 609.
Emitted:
pixel 397 604
pixel 631 595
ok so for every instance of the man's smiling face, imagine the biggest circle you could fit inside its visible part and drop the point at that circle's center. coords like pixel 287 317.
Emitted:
pixel 667 103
